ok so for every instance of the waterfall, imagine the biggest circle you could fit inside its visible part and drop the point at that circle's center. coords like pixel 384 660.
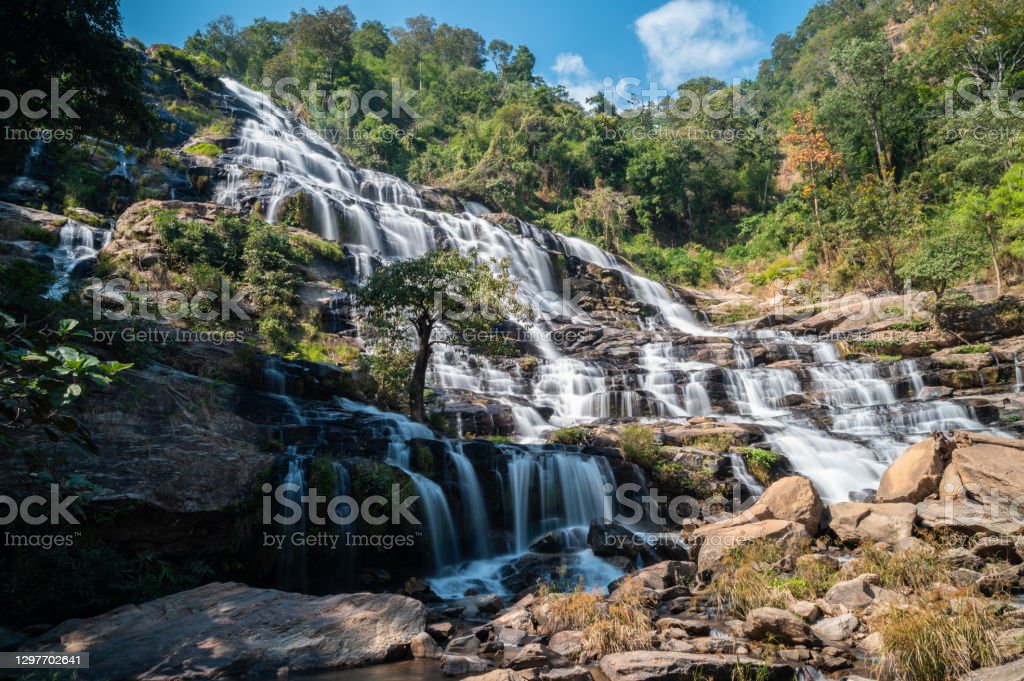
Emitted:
pixel 743 475
pixel 474 511
pixel 78 243
pixel 839 422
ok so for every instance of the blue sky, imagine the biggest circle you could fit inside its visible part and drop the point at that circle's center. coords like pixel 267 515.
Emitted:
pixel 577 43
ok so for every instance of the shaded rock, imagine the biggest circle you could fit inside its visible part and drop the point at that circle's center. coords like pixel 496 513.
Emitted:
pixel 235 630
pixel 854 522
pixel 463 645
pixel 424 647
pixel 510 636
pixel 459 665
pixel 776 624
pixel 915 474
pixel 664 575
pixel 536 655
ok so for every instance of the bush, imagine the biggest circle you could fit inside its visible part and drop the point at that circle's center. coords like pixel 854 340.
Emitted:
pixel 569 436
pixel 638 445
pixel 760 463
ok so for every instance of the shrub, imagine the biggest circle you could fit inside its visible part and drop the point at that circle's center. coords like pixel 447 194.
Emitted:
pixel 932 638
pixel 638 445
pixel 760 463
pixel 569 436
pixel 979 349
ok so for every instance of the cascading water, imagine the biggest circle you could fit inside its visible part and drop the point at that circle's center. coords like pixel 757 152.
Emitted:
pixel 77 243
pixel 839 422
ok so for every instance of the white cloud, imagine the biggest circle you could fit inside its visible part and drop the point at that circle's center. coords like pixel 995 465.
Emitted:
pixel 571 72
pixel 570 64
pixel 686 38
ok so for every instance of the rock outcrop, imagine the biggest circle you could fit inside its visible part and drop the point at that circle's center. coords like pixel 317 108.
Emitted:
pixel 916 473
pixel 854 522
pixel 227 630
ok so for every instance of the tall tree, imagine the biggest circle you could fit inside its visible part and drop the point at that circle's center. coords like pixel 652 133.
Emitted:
pixel 411 302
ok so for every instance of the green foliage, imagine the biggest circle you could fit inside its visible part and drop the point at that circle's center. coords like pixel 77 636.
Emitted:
pixel 979 349
pixel 42 373
pixel 942 259
pixel 408 304
pixel 207 149
pixel 760 463
pixel 569 436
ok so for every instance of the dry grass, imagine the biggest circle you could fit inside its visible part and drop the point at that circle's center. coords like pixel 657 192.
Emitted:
pixel 932 638
pixel 916 569
pixel 608 627
pixel 767 574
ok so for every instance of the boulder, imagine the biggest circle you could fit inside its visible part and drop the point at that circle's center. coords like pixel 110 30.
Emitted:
pixel 714 545
pixel 967 517
pixel 424 647
pixel 656 665
pixel 808 611
pixel 460 665
pixel 227 629
pixel 535 655
pixel 793 498
pixel 776 624
pixel 915 474
pixel 854 522
pixel 836 628
pixel 463 645
pixel 858 593
pixel 658 577
pixel 1011 671
pixel 567 674
pixel 568 643
pixel 988 470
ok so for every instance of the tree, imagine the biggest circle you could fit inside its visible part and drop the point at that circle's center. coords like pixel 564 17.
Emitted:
pixel 810 154
pixel 412 302
pixel 944 258
pixel 328 33
pixel 880 225
pixel 77 46
pixel 372 38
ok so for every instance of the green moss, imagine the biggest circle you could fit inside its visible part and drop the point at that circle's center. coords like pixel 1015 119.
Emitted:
pixel 760 463
pixel 207 149
pixel 979 349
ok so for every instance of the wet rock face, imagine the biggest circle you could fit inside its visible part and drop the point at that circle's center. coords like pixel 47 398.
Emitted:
pixel 231 630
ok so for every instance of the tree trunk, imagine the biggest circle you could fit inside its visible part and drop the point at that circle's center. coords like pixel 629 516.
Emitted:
pixel 418 383
pixel 995 262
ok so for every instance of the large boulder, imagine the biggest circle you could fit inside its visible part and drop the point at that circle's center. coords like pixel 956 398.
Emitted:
pixel 715 544
pixel 657 665
pixel 776 624
pixel 837 628
pixel 1011 671
pixel 793 498
pixel 991 471
pixel 854 522
pixel 916 473
pixel 967 517
pixel 232 630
